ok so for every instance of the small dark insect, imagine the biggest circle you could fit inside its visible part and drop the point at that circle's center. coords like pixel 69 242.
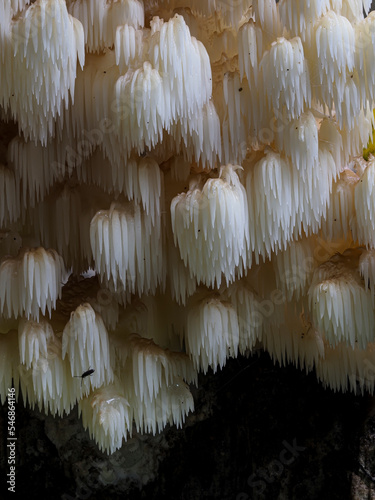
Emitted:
pixel 85 374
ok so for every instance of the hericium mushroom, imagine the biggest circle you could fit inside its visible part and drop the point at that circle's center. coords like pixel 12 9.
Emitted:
pixel 182 182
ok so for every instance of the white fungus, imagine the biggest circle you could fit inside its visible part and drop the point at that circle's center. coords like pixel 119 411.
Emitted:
pixel 196 169
pixel 31 283
pixel 85 342
pixel 210 227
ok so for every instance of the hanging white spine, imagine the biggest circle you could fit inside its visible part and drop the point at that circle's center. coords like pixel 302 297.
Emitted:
pixel 286 76
pixel 341 307
pixel 41 54
pixel 85 342
pixel 212 333
pixel 32 283
pixel 128 248
pixel 108 416
pixel 33 337
pixel 210 227
pixel 364 200
pixel 100 19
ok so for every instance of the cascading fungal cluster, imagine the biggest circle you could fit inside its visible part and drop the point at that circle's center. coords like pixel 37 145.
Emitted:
pixel 184 183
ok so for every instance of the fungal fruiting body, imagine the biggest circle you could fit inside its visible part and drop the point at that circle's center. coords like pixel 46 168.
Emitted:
pixel 181 184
